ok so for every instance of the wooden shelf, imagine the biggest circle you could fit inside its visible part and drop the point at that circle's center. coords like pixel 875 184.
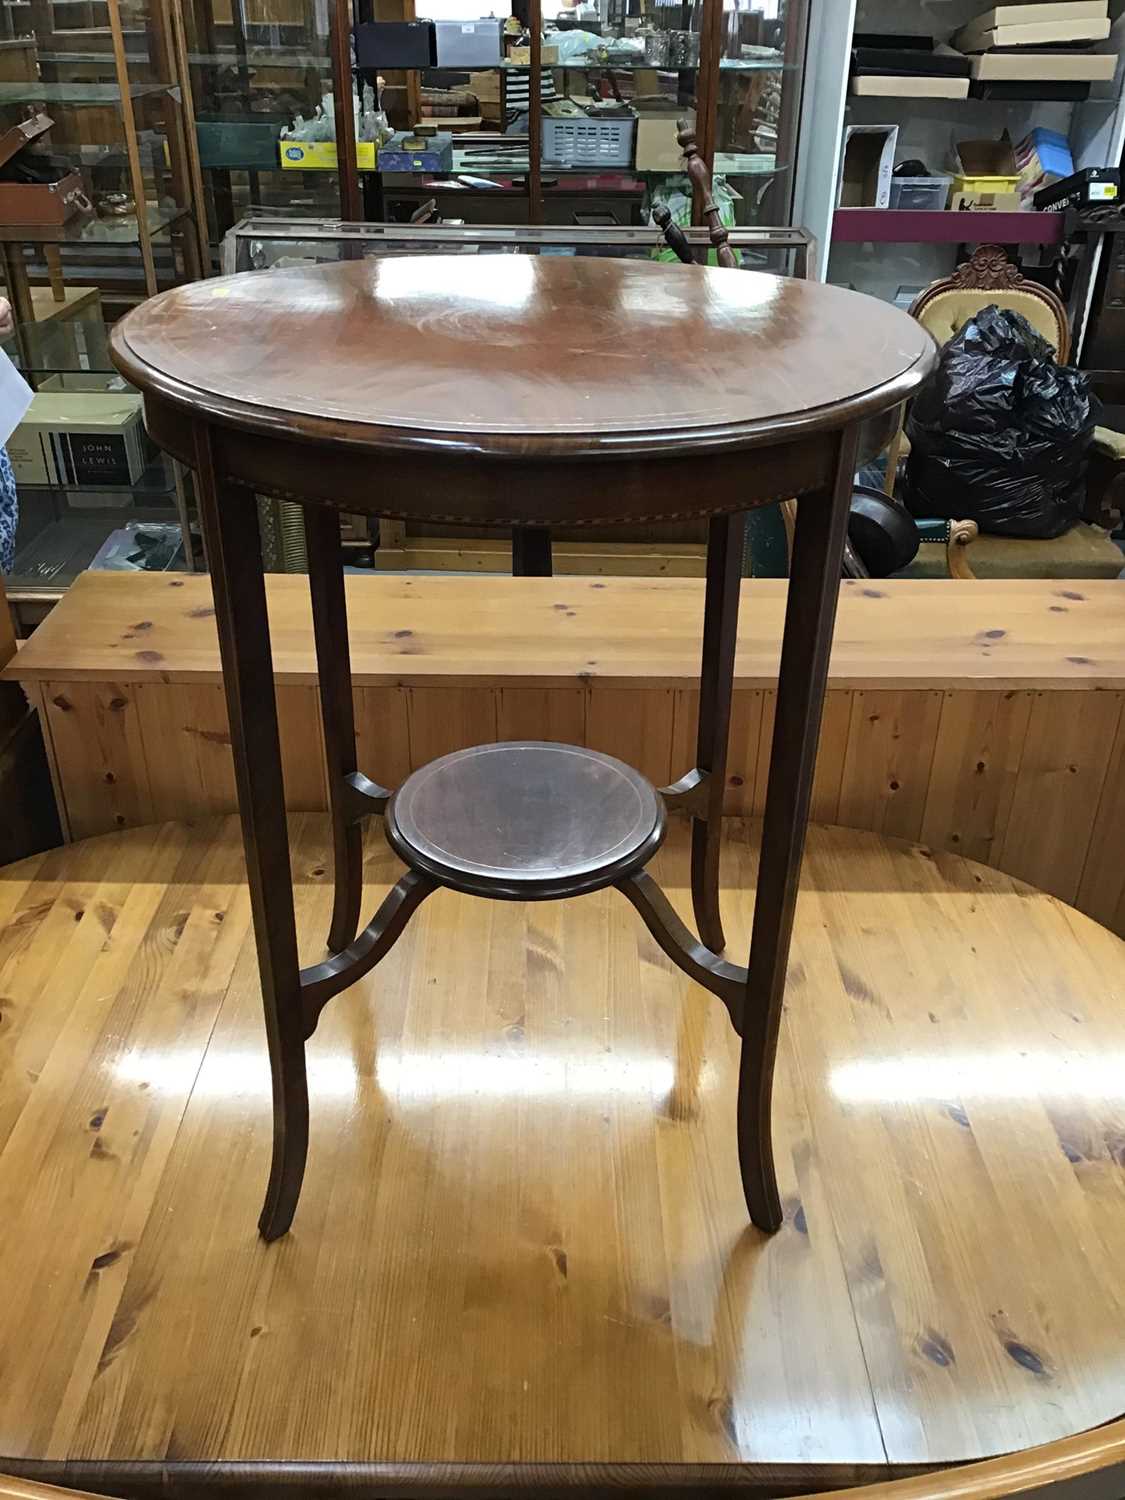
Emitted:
pixel 908 226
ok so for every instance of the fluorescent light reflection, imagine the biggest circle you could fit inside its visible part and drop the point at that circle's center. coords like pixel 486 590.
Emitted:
pixel 229 1074
pixel 433 1076
pixel 488 280
pixel 980 1075
pixel 413 1077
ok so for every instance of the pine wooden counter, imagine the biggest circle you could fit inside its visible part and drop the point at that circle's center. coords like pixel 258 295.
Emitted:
pixel 983 717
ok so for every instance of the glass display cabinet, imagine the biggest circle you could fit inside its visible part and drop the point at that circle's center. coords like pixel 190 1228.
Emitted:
pixel 255 67
pixel 106 74
pixel 584 123
pixel 72 516
pixel 261 243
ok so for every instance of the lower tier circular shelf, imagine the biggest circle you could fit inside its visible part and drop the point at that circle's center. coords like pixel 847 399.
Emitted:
pixel 522 1238
pixel 526 820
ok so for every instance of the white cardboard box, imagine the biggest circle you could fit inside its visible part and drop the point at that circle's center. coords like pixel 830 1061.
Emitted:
pixel 77 438
pixel 866 165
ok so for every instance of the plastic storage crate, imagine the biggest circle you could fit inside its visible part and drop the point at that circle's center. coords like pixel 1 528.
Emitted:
pixel 920 192
pixel 574 142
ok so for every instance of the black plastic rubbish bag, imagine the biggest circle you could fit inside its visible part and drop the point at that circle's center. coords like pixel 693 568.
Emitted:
pixel 999 433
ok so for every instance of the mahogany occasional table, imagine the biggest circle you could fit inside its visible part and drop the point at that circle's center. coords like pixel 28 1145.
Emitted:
pixel 522 391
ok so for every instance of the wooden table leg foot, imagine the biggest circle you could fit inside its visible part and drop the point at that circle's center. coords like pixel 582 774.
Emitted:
pixel 290 1148
pixel 810 614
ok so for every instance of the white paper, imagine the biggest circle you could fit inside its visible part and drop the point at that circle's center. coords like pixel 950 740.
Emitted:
pixel 15 397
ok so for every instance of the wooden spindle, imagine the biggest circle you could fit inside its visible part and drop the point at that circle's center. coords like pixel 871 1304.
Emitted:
pixel 700 174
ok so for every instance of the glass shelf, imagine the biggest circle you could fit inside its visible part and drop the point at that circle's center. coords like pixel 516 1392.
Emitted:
pixel 727 64
pixel 76 93
pixel 90 229
pixel 156 483
pixel 51 561
pixel 255 57
pixel 70 346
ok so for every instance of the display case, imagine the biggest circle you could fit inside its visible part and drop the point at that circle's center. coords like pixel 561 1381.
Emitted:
pixel 596 93
pixel 107 75
pixel 256 66
pixel 264 243
pixel 73 517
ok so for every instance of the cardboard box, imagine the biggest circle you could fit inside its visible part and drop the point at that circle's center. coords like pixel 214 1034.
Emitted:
pixel 320 156
pixel 986 202
pixel 976 38
pixel 521 56
pixel 1029 12
pixel 868 161
pixel 448 124
pixel 914 86
pixel 988 169
pixel 1045 67
pixel 77 438
pixel 32 460
pixel 486 87
pixel 657 149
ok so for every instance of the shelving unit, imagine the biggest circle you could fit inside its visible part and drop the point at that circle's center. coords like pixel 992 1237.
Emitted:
pixel 924 244
pixel 907 226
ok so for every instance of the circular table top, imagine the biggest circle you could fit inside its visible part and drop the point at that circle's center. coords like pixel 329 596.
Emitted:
pixel 522 1196
pixel 523 354
pixel 526 818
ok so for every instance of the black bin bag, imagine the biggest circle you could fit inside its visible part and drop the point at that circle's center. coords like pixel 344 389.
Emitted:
pixel 999 433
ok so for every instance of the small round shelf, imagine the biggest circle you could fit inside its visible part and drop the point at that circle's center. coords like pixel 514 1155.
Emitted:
pixel 526 820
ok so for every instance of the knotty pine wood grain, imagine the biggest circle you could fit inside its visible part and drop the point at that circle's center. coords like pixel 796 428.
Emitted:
pixel 974 771
pixel 886 770
pixel 1063 769
pixel 930 683
pixel 522 1195
pixel 906 633
pixel 1101 891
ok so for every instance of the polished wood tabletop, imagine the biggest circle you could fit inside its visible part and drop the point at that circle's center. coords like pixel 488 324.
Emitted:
pixel 522 1240
pixel 527 354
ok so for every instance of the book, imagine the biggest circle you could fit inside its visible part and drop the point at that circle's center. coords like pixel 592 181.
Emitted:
pixel 905 86
pixel 1031 35
pixel 1073 67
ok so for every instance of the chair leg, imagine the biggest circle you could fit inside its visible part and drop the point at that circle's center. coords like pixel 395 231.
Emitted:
pixel 716 679
pixel 337 713
pixel 894 453
pixel 814 586
pixel 230 526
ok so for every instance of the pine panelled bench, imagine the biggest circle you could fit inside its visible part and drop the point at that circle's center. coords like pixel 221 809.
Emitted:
pixel 980 717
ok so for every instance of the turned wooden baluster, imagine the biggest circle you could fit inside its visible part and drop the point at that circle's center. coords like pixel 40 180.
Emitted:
pixel 700 175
